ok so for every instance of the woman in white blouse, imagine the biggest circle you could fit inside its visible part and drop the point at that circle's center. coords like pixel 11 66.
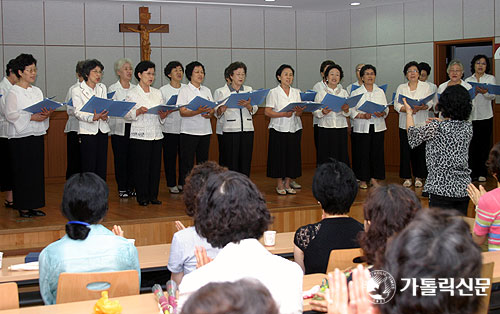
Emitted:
pixel 195 124
pixel 332 131
pixel 120 131
pixel 93 128
pixel 237 123
pixel 174 71
pixel 145 134
pixel 412 160
pixel 26 132
pixel 455 72
pixel 368 131
pixel 74 163
pixel 284 161
pixel 482 118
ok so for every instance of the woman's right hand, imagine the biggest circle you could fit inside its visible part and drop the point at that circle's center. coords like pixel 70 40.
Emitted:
pixel 140 111
pixel 287 114
pixel 326 111
pixel 39 117
pixel 221 110
pixel 103 115
pixel 179 225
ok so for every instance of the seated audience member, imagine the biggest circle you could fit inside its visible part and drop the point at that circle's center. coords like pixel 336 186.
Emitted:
pixel 335 188
pixel 87 246
pixel 232 215
pixel 488 205
pixel 182 258
pixel 244 296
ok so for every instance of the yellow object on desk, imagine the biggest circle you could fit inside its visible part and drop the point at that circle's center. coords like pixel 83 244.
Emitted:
pixel 105 306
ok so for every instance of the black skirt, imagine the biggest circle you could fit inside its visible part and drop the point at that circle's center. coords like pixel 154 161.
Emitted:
pixel 6 172
pixel 284 154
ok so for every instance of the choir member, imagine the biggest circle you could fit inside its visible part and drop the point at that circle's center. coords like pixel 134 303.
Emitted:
pixel 26 139
pixel 237 123
pixel 174 72
pixel 218 125
pixel 425 71
pixel 120 131
pixel 284 161
pixel 368 131
pixel 359 82
pixel 455 72
pixel 482 118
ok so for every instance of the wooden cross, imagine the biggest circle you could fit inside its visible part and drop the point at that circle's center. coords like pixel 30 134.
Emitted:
pixel 144 28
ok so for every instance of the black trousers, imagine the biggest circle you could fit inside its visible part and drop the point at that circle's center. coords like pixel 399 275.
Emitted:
pixel 480 146
pixel 220 143
pixel 73 154
pixel 332 143
pixel 316 142
pixel 124 165
pixel 94 152
pixel 237 151
pixel 284 158
pixel 146 157
pixel 28 181
pixel 6 164
pixel 458 203
pixel 191 146
pixel 171 149
pixel 368 155
pixel 411 160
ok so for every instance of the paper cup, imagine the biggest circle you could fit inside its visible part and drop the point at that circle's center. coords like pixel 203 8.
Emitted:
pixel 1 257
pixel 270 238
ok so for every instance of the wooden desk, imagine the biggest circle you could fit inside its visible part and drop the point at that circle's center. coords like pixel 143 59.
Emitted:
pixel 493 256
pixel 142 303
pixel 308 282
pixel 283 245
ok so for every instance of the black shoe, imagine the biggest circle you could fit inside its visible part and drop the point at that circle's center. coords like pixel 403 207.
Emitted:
pixel 143 203
pixel 123 194
pixel 36 212
pixel 155 202
pixel 8 204
pixel 425 194
pixel 132 193
pixel 25 213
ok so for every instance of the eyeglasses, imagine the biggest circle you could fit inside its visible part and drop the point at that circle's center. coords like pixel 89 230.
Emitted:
pixel 31 70
pixel 480 63
pixel 412 71
pixel 97 71
pixel 456 71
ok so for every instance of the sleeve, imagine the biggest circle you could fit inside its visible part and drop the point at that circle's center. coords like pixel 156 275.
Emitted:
pixel 134 260
pixel 176 259
pixel 491 80
pixel 397 104
pixel 19 118
pixel 78 103
pixel 418 135
pixel 217 95
pixel 318 98
pixel 303 236
pixel 271 99
pixel 485 216
pixel 48 278
pixel 132 114
pixel 68 95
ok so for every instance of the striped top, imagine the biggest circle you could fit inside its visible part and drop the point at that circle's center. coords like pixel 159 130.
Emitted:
pixel 488 218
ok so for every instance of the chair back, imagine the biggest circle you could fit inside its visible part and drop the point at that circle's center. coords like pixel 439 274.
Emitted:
pixel 9 297
pixel 343 258
pixel 72 287
pixel 486 272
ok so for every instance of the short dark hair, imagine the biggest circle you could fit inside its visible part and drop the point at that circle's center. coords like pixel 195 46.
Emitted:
pixel 235 66
pixel 325 64
pixel 245 296
pixel 389 209
pixel 475 59
pixel 227 76
pixel 195 182
pixel 334 66
pixel 367 67
pixel 10 68
pixel 335 187
pixel 170 66
pixel 493 162
pixel 79 67
pixel 230 209
pixel 21 62
pixel 281 68
pixel 455 103
pixel 88 66
pixel 85 198
pixel 436 244
pixel 190 68
pixel 409 65
pixel 142 67
pixel 424 66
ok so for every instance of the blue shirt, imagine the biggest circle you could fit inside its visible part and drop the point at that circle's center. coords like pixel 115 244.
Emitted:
pixel 101 251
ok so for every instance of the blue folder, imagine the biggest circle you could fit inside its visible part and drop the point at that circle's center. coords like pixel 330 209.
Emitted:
pixel 416 102
pixel 354 87
pixel 308 96
pixel 155 110
pixel 172 101
pixel 310 106
pixel 46 103
pixel 472 93
pixel 115 108
pixel 198 102
pixel 110 95
pixel 371 107
pixel 258 96
pixel 32 257
pixel 69 103
pixel 233 99
pixel 492 89
pixel 335 103
pixel 384 88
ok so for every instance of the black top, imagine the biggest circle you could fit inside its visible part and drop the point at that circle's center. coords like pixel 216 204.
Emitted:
pixel 317 240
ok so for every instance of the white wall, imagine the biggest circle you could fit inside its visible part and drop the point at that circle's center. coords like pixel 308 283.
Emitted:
pixel 60 33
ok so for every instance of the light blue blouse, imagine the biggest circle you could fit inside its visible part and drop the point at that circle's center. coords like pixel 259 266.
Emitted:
pixel 101 251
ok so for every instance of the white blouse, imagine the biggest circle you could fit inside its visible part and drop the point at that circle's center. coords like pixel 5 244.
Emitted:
pixel 278 99
pixel 332 119
pixel 20 124
pixel 423 90
pixel 81 95
pixel 481 104
pixel 72 124
pixel 117 124
pixel 377 96
pixel 231 119
pixel 5 86
pixel 145 126
pixel 172 123
pixel 349 88
pixel 195 125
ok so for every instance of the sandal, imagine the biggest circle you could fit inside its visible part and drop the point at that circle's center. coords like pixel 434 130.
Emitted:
pixel 24 213
pixel 290 191
pixel 123 194
pixel 280 191
pixel 8 204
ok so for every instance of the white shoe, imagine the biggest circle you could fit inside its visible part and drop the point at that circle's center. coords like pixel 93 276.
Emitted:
pixel 481 179
pixel 418 183
pixel 407 183
pixel 174 190
pixel 295 185
pixel 179 187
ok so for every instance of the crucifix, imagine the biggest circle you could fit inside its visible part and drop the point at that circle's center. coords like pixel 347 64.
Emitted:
pixel 144 28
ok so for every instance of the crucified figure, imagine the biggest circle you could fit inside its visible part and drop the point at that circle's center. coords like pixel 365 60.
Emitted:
pixel 145 44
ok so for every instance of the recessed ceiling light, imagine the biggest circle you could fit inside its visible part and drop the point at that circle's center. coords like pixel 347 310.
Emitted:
pixel 270 0
pixel 355 3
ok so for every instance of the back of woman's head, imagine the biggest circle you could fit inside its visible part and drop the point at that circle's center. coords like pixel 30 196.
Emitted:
pixel 85 199
pixel 388 209
pixel 230 208
pixel 455 103
pixel 437 245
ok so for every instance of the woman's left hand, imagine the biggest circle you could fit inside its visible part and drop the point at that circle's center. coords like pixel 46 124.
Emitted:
pixel 117 230
pixel 209 114
pixel 299 110
pixel 379 114
pixel 201 256
pixel 164 114
pixel 475 193
pixel 480 90
pixel 246 104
